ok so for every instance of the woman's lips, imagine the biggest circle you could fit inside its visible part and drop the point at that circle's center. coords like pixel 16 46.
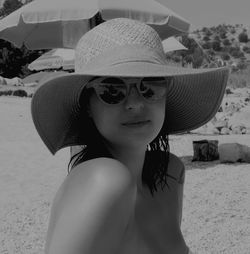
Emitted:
pixel 136 123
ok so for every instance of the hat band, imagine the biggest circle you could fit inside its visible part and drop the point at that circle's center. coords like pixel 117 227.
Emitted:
pixel 120 55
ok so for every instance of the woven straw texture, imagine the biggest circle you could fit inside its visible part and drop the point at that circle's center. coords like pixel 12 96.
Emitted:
pixel 110 35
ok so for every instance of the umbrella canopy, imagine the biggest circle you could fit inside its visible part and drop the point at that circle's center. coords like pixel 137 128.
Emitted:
pixel 54 59
pixel 37 77
pixel 172 44
pixel 45 24
pixel 65 58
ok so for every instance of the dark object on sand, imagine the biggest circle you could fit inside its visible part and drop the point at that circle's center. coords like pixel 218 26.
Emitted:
pixel 205 150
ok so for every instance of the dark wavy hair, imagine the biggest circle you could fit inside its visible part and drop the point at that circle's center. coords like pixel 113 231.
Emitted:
pixel 155 168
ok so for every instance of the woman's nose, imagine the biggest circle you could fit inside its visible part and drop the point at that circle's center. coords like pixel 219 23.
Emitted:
pixel 134 100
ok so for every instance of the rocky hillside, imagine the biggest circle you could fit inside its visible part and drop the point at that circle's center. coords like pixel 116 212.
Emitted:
pixel 222 45
pixel 228 44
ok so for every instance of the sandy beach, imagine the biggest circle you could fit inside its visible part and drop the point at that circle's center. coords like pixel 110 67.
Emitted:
pixel 216 210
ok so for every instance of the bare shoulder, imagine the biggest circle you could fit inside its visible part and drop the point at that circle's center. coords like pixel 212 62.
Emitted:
pixel 96 175
pixel 176 168
pixel 100 170
pixel 96 192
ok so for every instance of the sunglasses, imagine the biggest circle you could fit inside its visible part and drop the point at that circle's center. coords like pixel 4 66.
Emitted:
pixel 114 90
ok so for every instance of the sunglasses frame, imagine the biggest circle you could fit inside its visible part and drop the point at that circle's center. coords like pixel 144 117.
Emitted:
pixel 94 83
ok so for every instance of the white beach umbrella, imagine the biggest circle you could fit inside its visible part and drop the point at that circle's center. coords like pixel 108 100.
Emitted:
pixel 60 23
pixel 54 59
pixel 65 58
pixel 172 44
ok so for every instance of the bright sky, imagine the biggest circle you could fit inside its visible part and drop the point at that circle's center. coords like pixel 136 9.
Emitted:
pixel 208 13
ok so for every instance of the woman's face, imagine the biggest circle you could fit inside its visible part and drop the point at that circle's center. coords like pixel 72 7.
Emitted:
pixel 134 122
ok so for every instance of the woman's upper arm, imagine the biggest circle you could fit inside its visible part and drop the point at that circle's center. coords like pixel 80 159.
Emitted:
pixel 177 170
pixel 94 209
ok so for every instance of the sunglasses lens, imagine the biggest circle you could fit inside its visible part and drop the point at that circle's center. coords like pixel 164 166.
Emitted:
pixel 111 90
pixel 114 91
pixel 153 89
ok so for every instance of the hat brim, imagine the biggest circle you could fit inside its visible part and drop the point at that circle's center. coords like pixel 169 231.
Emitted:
pixel 192 100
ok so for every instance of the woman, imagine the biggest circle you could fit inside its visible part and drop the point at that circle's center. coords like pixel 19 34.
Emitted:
pixel 124 192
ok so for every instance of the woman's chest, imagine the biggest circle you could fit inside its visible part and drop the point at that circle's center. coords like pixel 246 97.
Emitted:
pixel 153 228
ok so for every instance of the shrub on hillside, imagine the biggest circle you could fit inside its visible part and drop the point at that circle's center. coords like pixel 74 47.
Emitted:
pixel 223 35
pixel 188 59
pixel 225 56
pixel 226 42
pixel 206 38
pixel 208 32
pixel 20 93
pixel 246 49
pixel 216 45
pixel 6 93
pixel 222 28
pixel 207 45
pixel 217 38
pixel 189 43
pixel 242 65
pixel 237 53
pixel 232 48
pixel 232 30
pixel 210 52
pixel 198 61
pixel 176 58
pixel 225 49
pixel 243 37
pixel 243 83
pixel 205 30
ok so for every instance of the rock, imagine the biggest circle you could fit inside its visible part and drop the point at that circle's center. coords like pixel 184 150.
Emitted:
pixel 240 126
pixel 225 131
pixel 208 128
pixel 243 131
pixel 234 152
pixel 215 131
pixel 201 130
pixel 242 92
pixel 220 124
pixel 246 156
pixel 14 81
pixel 236 130
pixel 218 116
pixel 228 91
pixel 205 150
pixel 241 118
pixel 247 130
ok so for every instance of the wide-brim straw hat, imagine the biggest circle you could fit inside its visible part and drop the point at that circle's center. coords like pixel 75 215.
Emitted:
pixel 124 48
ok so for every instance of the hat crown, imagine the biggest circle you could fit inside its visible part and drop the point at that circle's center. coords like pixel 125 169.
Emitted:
pixel 112 34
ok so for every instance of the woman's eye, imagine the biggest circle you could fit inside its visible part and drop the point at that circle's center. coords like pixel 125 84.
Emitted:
pixel 148 92
pixel 111 89
pixel 114 90
pixel 143 87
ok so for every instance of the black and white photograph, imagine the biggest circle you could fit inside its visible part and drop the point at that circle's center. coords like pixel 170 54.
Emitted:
pixel 124 127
